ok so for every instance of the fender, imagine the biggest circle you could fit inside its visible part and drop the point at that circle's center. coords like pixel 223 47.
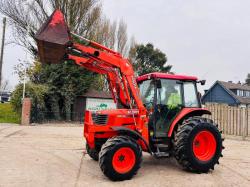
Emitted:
pixel 133 134
pixel 185 113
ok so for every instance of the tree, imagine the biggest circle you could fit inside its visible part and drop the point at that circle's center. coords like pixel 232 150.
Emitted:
pixel 147 59
pixel 65 81
pixel 113 35
pixel 248 79
pixel 26 17
pixel 84 17
pixel 122 38
pixel 5 86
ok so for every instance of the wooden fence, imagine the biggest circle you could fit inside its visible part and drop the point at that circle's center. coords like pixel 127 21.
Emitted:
pixel 231 120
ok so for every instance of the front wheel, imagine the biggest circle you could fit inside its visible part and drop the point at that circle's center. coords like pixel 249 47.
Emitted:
pixel 93 153
pixel 198 144
pixel 120 158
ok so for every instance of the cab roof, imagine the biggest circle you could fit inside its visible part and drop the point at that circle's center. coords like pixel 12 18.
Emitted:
pixel 165 76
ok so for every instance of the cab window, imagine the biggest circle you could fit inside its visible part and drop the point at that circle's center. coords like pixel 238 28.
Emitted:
pixel 190 95
pixel 147 92
pixel 170 93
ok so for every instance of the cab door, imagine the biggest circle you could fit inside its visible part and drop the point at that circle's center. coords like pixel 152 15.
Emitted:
pixel 169 102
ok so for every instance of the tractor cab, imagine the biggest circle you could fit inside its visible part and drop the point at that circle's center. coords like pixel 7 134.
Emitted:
pixel 164 96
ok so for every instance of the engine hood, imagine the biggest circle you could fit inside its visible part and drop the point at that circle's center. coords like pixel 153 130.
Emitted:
pixel 118 112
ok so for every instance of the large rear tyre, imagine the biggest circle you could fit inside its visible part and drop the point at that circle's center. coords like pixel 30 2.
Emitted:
pixel 120 158
pixel 198 144
pixel 93 153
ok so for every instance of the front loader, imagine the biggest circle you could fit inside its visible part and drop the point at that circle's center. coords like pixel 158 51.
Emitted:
pixel 157 113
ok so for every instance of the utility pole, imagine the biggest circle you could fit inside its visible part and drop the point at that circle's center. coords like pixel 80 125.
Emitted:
pixel 24 79
pixel 2 49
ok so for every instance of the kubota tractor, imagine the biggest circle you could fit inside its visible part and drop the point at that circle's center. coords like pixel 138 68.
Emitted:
pixel 157 113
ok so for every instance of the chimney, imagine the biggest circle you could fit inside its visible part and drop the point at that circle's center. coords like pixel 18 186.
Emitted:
pixel 239 83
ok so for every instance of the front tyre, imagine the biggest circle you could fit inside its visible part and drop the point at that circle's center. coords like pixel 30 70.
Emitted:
pixel 120 158
pixel 93 153
pixel 198 144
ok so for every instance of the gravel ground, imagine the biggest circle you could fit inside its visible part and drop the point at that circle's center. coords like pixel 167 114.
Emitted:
pixel 55 156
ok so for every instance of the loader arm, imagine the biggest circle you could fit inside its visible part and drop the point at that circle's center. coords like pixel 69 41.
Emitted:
pixel 118 70
pixel 55 44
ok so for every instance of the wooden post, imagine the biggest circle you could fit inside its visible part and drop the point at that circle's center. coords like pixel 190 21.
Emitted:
pixel 222 114
pixel 238 121
pixel 244 123
pixel 26 109
pixel 219 117
pixel 235 121
pixel 247 121
pixel 225 119
pixel 231 120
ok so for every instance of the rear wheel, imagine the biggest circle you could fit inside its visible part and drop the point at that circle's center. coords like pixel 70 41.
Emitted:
pixel 198 144
pixel 120 158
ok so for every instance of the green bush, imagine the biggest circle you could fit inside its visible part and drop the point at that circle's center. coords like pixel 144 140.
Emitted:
pixel 37 94
pixel 7 114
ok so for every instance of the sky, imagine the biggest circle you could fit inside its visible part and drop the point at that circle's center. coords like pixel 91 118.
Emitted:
pixel 208 39
pixel 12 55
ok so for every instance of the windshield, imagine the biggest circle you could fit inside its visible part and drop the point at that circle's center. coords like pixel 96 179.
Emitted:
pixel 147 92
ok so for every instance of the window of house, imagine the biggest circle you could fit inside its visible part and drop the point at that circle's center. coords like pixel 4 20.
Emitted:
pixel 240 93
pixel 247 93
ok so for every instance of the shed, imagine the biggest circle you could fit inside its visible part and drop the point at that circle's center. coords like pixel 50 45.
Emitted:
pixel 92 100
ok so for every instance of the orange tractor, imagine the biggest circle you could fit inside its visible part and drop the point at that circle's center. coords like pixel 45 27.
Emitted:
pixel 157 113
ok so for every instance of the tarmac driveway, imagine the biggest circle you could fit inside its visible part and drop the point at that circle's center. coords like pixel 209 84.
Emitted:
pixel 55 156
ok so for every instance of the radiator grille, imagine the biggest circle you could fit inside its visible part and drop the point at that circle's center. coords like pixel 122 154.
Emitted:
pixel 100 119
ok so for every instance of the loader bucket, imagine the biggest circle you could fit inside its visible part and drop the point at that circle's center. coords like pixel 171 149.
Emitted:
pixel 53 38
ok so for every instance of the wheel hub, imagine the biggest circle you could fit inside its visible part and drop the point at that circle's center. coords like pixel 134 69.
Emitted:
pixel 197 143
pixel 204 145
pixel 121 158
pixel 124 160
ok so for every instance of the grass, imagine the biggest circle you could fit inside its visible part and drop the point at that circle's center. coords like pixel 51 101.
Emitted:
pixel 7 115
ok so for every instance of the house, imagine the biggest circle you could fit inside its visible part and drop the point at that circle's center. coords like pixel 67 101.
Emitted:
pixel 234 94
pixel 93 100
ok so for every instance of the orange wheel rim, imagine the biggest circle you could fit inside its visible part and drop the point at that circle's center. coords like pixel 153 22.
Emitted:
pixel 204 146
pixel 123 160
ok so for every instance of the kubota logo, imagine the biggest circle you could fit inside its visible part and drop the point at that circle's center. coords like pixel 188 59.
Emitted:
pixel 101 106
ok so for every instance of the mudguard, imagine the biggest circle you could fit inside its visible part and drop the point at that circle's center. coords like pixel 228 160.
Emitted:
pixel 131 133
pixel 185 113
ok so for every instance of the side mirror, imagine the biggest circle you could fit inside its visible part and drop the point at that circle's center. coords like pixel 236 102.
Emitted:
pixel 203 82
pixel 158 83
